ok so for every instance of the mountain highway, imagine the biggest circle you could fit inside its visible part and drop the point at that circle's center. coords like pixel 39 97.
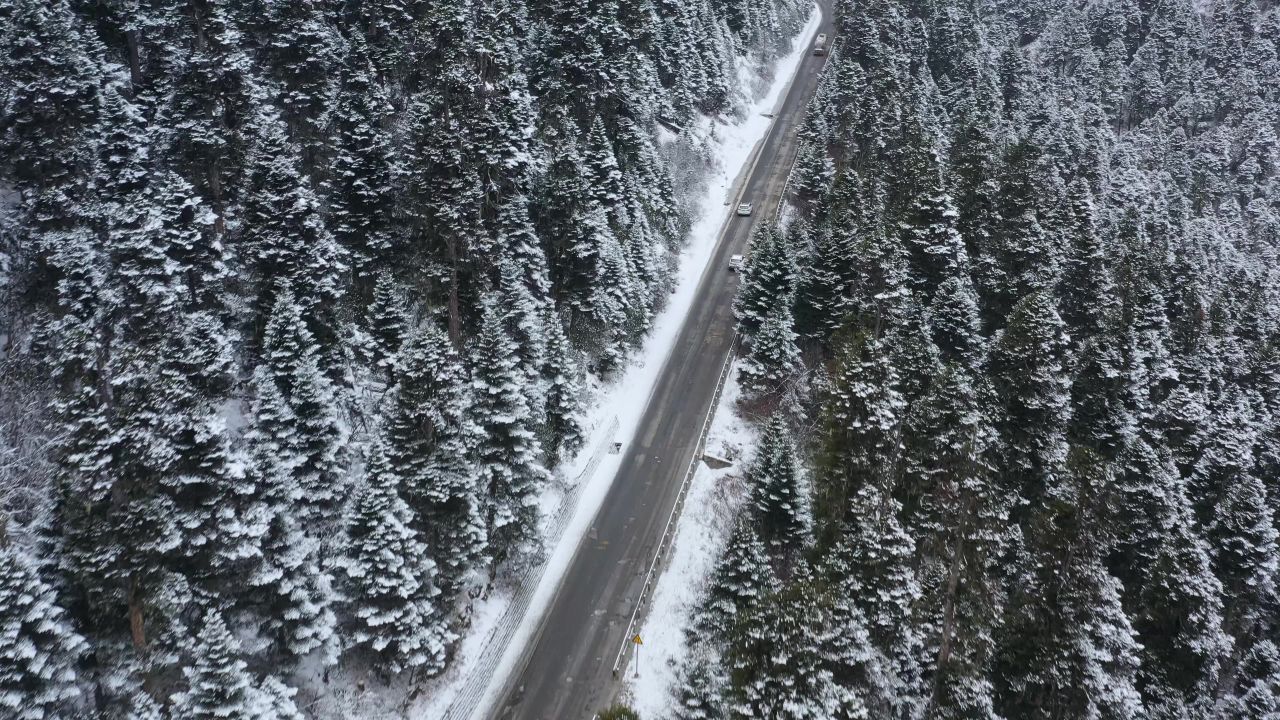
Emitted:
pixel 565 673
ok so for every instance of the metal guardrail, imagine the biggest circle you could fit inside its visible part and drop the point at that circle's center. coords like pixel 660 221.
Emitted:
pixel 665 542
pixel 470 699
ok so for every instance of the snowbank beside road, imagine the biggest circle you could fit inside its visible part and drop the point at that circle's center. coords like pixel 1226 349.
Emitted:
pixel 703 528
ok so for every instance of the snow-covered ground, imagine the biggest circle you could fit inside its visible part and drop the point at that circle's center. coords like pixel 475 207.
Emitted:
pixel 703 528
pixel 616 409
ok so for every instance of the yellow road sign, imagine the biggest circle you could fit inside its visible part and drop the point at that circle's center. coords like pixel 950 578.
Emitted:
pixel 637 639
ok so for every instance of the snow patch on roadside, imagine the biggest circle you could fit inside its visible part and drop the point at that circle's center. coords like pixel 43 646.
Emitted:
pixel 701 533
pixel 624 398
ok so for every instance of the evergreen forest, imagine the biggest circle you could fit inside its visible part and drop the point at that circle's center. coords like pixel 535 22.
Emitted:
pixel 299 304
pixel 1015 353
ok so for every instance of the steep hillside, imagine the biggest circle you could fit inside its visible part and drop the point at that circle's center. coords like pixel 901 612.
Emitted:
pixel 1022 331
pixel 298 298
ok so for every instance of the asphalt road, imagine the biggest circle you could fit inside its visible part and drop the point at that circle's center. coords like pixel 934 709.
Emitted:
pixel 566 673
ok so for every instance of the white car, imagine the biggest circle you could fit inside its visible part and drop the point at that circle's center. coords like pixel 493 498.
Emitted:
pixel 735 262
pixel 744 209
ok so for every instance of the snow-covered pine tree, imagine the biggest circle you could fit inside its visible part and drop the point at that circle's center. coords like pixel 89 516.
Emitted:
pixel 862 423
pixel 859 670
pixel 743 578
pixel 292 357
pixel 1026 367
pixel 1068 633
pixel 430 435
pixel 822 288
pixel 1163 563
pixel 303 52
pixel 295 603
pixel 1243 538
pixel 911 348
pixel 773 357
pixel 219 684
pixel 768 278
pixel 778 493
pixel 361 185
pixel 1258 696
pixel 604 176
pixel 775 660
pixel 564 432
pixel 1087 289
pixel 955 322
pixel 391 593
pixel 697 695
pixel 507 449
pixel 878 564
pixel 39 649
pixel 284 240
pixel 387 318
pixel 1023 258
pixel 523 321
pixel 209 107
pixel 1101 418
pixel 929 231
pixel 55 85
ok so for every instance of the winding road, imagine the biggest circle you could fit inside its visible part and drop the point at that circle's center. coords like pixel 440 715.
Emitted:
pixel 566 671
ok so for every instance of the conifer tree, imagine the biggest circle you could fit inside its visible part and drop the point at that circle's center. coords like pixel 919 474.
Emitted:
pixel 564 401
pixel 430 435
pixel 776 668
pixel 859 669
pixel 219 684
pixel 292 357
pixel 938 252
pixel 773 357
pixel 1069 640
pixel 1258 697
pixel 54 96
pixel 768 278
pixel 285 240
pixel 862 425
pixel 302 54
pixel 742 579
pixel 1164 566
pixel 777 493
pixel 507 450
pixel 698 693
pixel 361 187
pixel 39 649
pixel 212 100
pixel 523 320
pixel 604 176
pixel 1101 418
pixel 296 608
pixel 392 593
pixel 1024 258
pixel 955 322
pixel 191 239
pixel 387 318
pixel 911 349
pixel 586 259
pixel 1026 365
pixel 1243 536
pixel 822 292
pixel 1087 289
pixel 877 565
